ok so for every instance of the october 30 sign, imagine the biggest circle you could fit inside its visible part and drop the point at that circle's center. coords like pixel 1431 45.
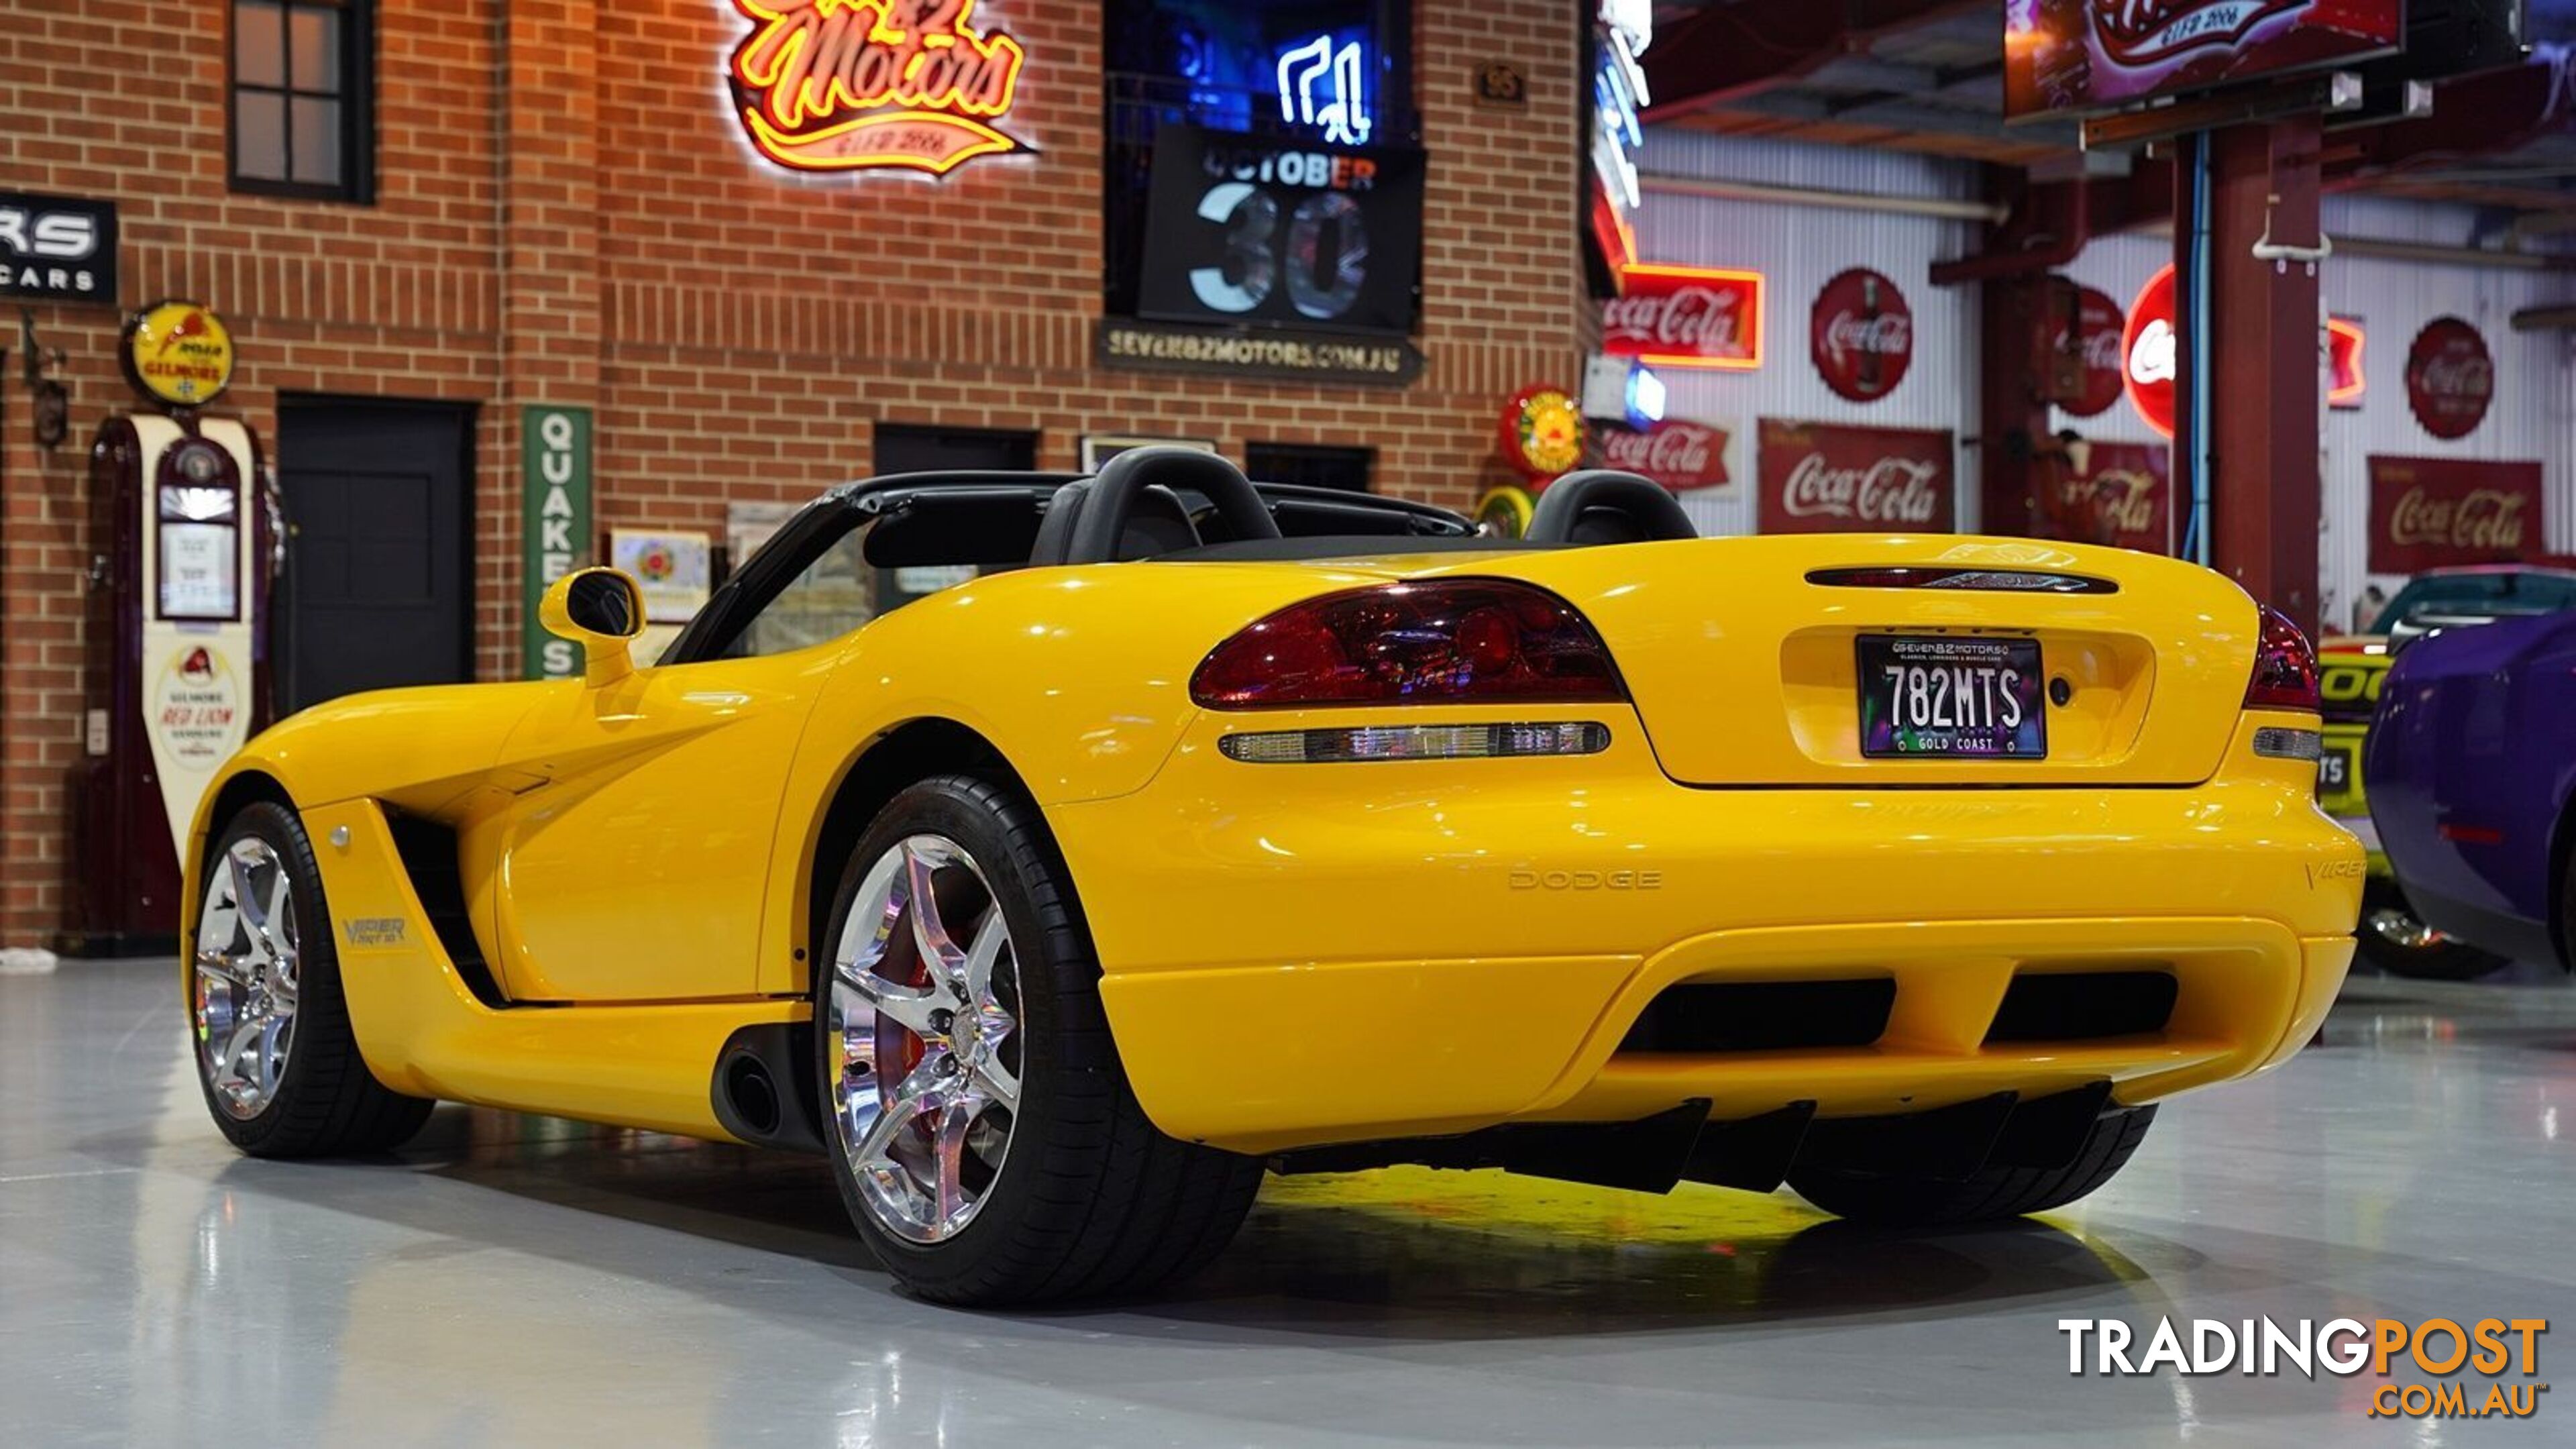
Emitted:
pixel 1282 232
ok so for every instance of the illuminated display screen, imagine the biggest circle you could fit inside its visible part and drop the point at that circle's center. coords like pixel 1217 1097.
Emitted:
pixel 2092 55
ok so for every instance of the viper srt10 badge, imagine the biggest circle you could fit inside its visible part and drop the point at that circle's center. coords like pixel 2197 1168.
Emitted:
pixel 843 85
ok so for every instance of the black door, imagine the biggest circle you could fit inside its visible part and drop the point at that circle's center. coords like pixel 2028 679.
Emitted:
pixel 902 449
pixel 378 587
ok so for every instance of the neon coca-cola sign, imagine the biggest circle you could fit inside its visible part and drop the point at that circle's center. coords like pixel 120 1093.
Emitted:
pixel 847 85
pixel 1698 317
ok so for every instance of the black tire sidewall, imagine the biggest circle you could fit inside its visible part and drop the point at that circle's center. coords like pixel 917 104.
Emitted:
pixel 317 963
pixel 1049 955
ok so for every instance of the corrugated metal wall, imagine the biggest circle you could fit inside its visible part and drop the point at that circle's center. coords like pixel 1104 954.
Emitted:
pixel 1799 248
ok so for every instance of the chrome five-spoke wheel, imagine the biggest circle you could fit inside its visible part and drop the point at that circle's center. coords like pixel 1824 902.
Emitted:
pixel 245 977
pixel 922 1042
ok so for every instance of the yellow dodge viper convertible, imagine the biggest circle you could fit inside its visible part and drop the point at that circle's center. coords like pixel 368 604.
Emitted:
pixel 1218 827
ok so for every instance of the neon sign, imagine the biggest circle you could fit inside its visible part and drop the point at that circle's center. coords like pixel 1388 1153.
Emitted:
pixel 1344 118
pixel 846 85
pixel 2345 381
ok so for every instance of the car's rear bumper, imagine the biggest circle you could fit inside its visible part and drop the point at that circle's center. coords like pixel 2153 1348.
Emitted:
pixel 1302 954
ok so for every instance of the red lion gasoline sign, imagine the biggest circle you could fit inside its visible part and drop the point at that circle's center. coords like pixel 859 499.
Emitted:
pixel 841 85
pixel 1862 334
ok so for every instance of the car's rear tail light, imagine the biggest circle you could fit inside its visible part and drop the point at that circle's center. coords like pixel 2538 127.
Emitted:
pixel 2285 667
pixel 1415 742
pixel 1458 641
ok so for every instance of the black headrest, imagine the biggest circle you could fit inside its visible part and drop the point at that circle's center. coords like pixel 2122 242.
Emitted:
pixel 1603 505
pixel 1157 523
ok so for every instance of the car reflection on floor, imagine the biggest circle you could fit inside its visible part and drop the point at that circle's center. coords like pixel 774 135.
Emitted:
pixel 511 1279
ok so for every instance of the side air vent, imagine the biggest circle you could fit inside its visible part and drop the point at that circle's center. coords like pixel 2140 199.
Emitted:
pixel 429 857
pixel 2083 1006
pixel 1756 1016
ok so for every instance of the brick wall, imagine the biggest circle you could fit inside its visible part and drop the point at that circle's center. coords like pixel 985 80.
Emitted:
pixel 566 212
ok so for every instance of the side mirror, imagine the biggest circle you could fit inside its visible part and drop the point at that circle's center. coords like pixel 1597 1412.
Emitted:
pixel 600 609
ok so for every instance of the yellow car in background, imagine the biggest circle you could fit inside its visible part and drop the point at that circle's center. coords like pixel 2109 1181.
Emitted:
pixel 1217 828
pixel 2351 671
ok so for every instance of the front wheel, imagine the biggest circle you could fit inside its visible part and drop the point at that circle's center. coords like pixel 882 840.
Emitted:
pixel 275 1052
pixel 981 1131
pixel 1905 1199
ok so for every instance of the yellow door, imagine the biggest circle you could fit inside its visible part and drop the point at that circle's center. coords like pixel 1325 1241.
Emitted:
pixel 635 871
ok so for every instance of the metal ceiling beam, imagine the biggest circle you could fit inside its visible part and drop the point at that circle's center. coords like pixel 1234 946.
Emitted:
pixel 2475 115
pixel 1729 52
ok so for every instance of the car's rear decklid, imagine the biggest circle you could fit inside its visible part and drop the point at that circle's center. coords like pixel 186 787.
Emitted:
pixel 1869 661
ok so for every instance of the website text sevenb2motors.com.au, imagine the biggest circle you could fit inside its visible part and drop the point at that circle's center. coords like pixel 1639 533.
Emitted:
pixel 2500 1357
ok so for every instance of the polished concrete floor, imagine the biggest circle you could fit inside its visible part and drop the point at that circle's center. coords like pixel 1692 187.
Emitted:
pixel 523 1281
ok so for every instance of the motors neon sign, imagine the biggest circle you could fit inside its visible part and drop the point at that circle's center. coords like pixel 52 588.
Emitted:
pixel 848 85
pixel 1341 72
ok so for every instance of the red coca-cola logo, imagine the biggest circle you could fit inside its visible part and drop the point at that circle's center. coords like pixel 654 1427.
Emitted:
pixel 2099 324
pixel 2433 512
pixel 2148 364
pixel 1678 453
pixel 2487 520
pixel 2149 32
pixel 1818 478
pixel 2450 378
pixel 1861 335
pixel 1686 317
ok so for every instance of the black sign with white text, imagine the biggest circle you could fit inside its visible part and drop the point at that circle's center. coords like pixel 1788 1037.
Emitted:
pixel 1281 231
pixel 56 249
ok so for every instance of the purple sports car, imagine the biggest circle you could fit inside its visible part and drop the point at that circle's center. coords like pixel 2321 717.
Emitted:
pixel 2469 769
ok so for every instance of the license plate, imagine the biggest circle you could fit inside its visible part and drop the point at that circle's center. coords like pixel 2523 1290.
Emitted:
pixel 2334 772
pixel 1938 697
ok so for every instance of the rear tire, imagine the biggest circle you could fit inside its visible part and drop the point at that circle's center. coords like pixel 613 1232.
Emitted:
pixel 1026 1170
pixel 276 1058
pixel 1898 1199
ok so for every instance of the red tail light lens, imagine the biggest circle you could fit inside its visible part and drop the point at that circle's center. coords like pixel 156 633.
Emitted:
pixel 2285 667
pixel 1473 641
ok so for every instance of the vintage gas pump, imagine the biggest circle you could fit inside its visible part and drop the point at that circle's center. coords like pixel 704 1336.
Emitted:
pixel 180 541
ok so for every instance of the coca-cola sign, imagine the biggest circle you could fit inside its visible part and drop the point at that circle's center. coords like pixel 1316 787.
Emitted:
pixel 1827 478
pixel 2085 55
pixel 1680 453
pixel 1862 335
pixel 2099 323
pixel 2433 512
pixel 1685 317
pixel 2149 364
pixel 2450 379
pixel 2122 497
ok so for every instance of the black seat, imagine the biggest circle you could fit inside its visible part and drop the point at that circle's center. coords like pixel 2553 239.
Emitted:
pixel 1603 505
pixel 1158 524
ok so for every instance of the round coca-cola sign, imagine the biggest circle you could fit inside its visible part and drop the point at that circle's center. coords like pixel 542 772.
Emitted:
pixel 2450 379
pixel 2099 328
pixel 1862 334
pixel 2148 366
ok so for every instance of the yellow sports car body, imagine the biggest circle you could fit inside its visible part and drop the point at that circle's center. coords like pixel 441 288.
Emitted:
pixel 1056 905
